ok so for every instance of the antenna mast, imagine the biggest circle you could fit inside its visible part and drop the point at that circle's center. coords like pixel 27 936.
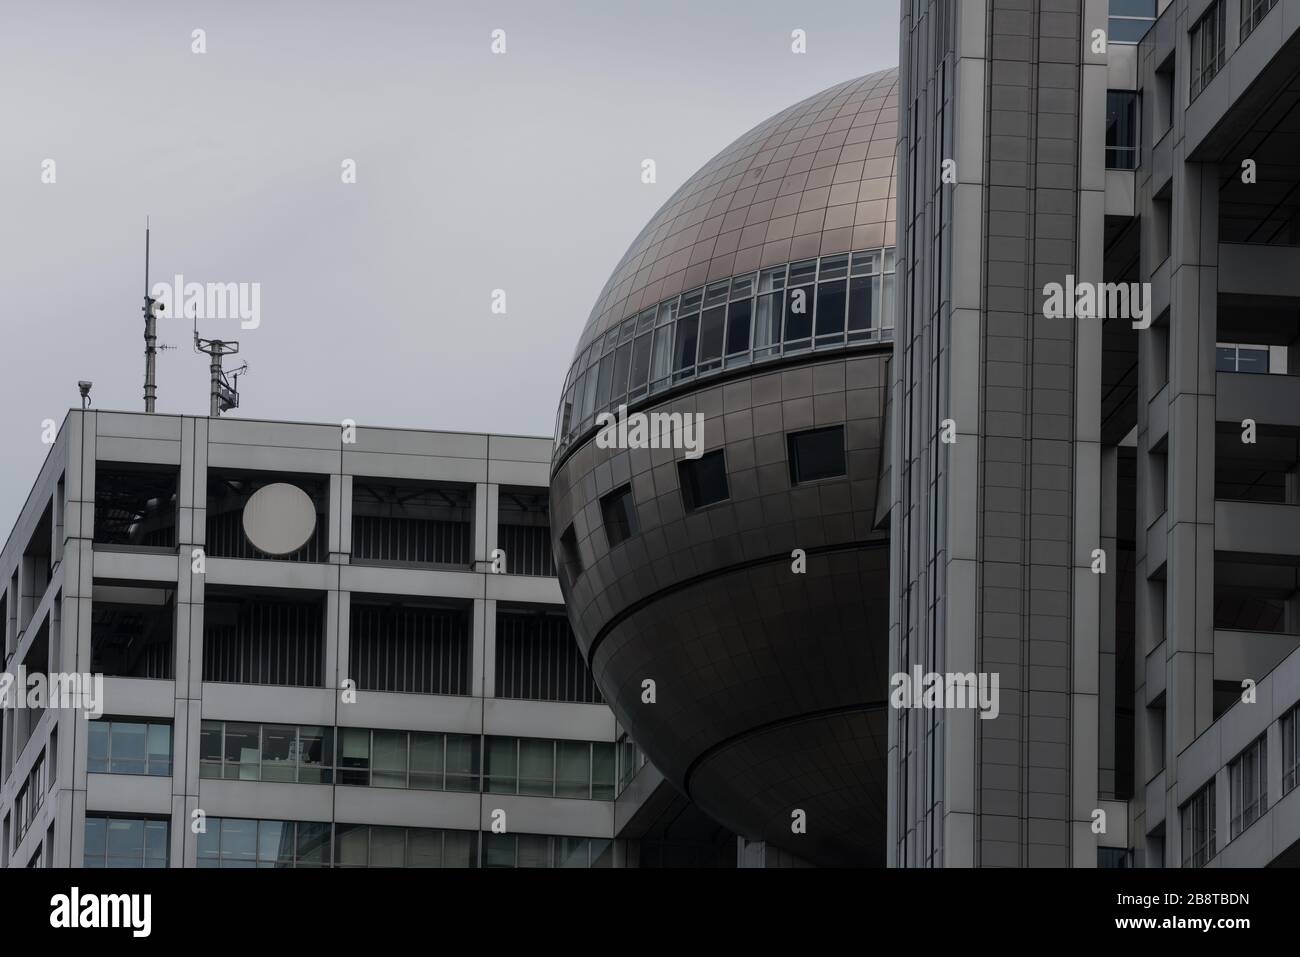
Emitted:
pixel 224 394
pixel 151 308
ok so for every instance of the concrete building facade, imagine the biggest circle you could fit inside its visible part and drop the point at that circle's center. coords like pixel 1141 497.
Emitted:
pixel 1098 507
pixel 324 645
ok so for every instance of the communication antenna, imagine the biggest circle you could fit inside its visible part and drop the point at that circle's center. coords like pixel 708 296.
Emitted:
pixel 151 309
pixel 224 394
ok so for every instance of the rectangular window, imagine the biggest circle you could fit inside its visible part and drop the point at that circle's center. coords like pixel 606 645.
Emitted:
pixel 662 358
pixel 832 300
pixel 1248 786
pixel 712 323
pixel 704 480
pixel 640 372
pixel 684 350
pixel 1290 750
pixel 1129 20
pixel 1122 125
pixel 816 454
pixel 800 302
pixel 1207 47
pixel 1252 12
pixel 619 514
pixel 238 751
pixel 1198 825
pixel 126 841
pixel 1241 358
pixel 462 762
pixel 117 746
pixel 573 769
pixel 245 843
pixel 501 765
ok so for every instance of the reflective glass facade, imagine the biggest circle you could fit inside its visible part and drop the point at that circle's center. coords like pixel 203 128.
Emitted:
pixel 822 304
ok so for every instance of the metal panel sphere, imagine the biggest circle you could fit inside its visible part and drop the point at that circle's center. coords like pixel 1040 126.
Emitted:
pixel 760 617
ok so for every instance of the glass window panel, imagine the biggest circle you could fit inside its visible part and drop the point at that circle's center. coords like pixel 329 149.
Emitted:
pixel 833 267
pixel 97 738
pixel 738 317
pixel 864 264
pixel 803 272
pixel 799 304
pixel 626 330
pixel 606 380
pixel 353 845
pixel 275 843
pixel 125 842
pixel 460 849
pixel 157 844
pixel 816 454
pixel 426 762
pixel 667 312
pixel 313 843
pixel 96 840
pixel 127 748
pixel 831 298
pixel 242 750
pixel 887 303
pixel 315 755
pixel 238 840
pixel 498 850
pixel 640 371
pixel 573 769
pixel 603 772
pixel 716 293
pixel 602 852
pixel 663 354
pixel 209 839
pixel 159 745
pixel 387 847
pixel 691 302
pixel 1248 360
pixel 534 850
pixel 423 847
pixel 684 347
pixel 589 394
pixel 536 767
pixel 622 358
pixel 771 280
pixel 573 852
pixel 354 761
pixel 279 752
pixel 711 329
pixel 861 303
pixel 646 321
pixel 500 765
pixel 462 762
pixel 742 287
pixel 388 759
pixel 767 325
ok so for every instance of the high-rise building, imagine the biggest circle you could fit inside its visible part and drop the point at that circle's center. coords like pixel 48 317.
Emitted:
pixel 1098 504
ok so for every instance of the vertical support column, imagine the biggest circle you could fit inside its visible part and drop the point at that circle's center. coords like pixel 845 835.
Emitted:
pixel 190 595
pixel 1189 599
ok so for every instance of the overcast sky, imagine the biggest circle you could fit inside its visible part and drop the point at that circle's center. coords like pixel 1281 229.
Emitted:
pixel 475 172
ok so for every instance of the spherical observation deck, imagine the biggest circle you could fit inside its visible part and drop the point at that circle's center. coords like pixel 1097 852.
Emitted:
pixel 744 571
